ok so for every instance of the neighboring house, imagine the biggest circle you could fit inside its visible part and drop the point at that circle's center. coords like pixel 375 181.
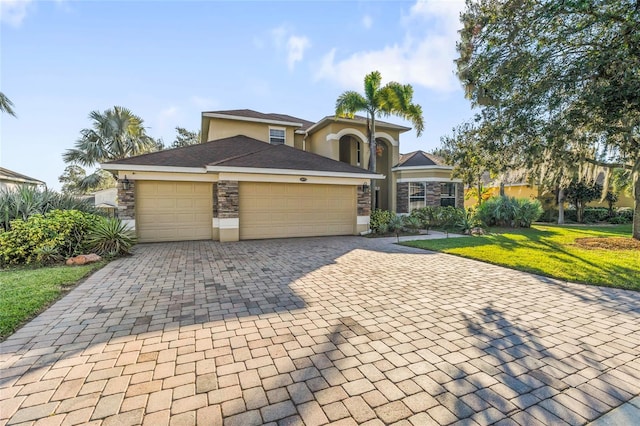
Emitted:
pixel 10 180
pixel 273 176
pixel 106 199
pixel 515 185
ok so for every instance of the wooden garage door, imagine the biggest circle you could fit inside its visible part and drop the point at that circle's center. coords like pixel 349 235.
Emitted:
pixel 281 210
pixel 173 211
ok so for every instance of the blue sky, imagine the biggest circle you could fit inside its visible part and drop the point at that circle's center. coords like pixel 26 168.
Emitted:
pixel 168 61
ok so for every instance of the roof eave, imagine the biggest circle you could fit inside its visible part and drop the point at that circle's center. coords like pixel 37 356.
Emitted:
pixel 251 119
pixel 265 170
pixel 436 167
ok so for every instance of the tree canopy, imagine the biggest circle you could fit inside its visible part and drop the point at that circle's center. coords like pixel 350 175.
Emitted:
pixel 6 105
pixel 114 134
pixel 561 79
pixel 185 137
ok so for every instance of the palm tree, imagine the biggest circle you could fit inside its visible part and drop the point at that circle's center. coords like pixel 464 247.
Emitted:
pixel 390 99
pixel 115 134
pixel 6 105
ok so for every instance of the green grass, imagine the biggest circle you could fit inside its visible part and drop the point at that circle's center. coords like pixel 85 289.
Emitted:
pixel 24 293
pixel 550 250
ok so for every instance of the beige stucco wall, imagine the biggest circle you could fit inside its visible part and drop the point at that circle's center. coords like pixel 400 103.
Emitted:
pixel 440 174
pixel 220 128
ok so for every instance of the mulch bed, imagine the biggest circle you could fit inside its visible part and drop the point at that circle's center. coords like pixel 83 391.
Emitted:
pixel 608 243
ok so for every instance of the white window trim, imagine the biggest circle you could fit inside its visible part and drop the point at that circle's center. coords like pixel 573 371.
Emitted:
pixel 424 197
pixel 284 140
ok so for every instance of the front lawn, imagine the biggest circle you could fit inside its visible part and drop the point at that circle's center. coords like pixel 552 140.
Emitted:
pixel 26 292
pixel 550 250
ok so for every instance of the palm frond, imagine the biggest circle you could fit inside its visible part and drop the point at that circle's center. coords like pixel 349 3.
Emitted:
pixel 6 105
pixel 349 103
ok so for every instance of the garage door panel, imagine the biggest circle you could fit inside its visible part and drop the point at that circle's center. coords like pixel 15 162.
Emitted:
pixel 173 211
pixel 277 210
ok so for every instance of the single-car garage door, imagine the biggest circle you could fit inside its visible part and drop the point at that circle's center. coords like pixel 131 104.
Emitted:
pixel 173 211
pixel 281 210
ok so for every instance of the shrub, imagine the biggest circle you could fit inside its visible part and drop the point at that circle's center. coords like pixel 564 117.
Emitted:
pixel 467 222
pixel 412 223
pixel 626 212
pixel 595 214
pixel 427 216
pixel 396 225
pixel 38 238
pixel 27 201
pixel 619 220
pixel 110 237
pixel 509 212
pixel 380 220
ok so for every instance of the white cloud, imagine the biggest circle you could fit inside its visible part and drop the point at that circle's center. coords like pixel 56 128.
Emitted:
pixel 13 12
pixel 424 57
pixel 367 21
pixel 296 45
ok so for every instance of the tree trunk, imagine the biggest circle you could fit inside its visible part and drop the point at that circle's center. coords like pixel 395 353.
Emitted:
pixel 372 158
pixel 636 207
pixel 580 210
pixel 479 192
pixel 502 189
pixel 561 206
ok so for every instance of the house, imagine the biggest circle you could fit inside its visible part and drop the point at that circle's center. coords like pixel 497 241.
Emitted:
pixel 258 175
pixel 10 180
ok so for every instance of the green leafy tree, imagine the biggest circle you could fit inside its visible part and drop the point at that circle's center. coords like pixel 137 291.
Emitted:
pixel 6 105
pixel 74 175
pixel 115 134
pixel 380 101
pixel 564 75
pixel 185 138
pixel 579 193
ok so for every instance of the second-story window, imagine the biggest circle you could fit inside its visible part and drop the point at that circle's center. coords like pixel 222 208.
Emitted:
pixel 277 136
pixel 358 153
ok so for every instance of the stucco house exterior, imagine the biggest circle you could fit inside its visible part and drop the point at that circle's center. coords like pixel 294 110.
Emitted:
pixel 10 180
pixel 258 175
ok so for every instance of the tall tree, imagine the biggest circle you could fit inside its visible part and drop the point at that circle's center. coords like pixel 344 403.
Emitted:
pixel 380 101
pixel 185 138
pixel 73 176
pixel 565 75
pixel 115 134
pixel 6 105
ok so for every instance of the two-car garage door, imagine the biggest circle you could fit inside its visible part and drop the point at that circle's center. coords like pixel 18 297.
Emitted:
pixel 179 211
pixel 280 210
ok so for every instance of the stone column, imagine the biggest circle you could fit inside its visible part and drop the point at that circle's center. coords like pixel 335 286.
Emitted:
pixel 127 204
pixel 228 210
pixel 460 195
pixel 364 210
pixel 433 193
pixel 216 220
pixel 402 197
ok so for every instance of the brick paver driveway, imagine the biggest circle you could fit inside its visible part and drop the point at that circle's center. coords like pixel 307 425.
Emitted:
pixel 344 330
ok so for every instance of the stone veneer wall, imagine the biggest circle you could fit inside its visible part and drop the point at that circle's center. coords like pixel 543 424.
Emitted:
pixel 215 200
pixel 364 202
pixel 402 197
pixel 433 193
pixel 228 199
pixel 460 195
pixel 127 201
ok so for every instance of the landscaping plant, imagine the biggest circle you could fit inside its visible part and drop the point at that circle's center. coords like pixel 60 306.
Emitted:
pixel 379 221
pixel 396 225
pixel 42 236
pixel 110 237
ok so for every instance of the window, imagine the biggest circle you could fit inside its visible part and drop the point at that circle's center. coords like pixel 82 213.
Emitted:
pixel 358 153
pixel 448 194
pixel 417 195
pixel 276 136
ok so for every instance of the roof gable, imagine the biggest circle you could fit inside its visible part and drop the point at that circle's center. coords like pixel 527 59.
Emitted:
pixel 420 158
pixel 239 114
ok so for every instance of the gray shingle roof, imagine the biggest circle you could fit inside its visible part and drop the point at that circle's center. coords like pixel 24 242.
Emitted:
pixel 240 151
pixel 10 175
pixel 420 158
pixel 249 113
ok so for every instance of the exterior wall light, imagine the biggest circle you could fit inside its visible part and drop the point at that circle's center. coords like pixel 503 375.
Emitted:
pixel 303 179
pixel 365 187
pixel 125 183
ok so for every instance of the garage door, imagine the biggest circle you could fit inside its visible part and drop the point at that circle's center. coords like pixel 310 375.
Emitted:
pixel 281 210
pixel 173 211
